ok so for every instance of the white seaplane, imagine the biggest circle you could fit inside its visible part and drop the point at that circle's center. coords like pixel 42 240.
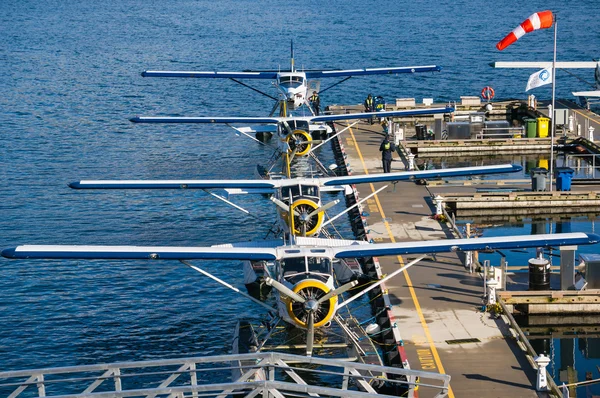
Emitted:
pixel 301 271
pixel 294 133
pixel 302 210
pixel 293 85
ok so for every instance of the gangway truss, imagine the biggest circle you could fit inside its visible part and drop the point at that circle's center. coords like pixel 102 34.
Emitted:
pixel 269 374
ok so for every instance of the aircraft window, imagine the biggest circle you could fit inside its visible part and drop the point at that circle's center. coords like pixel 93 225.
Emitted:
pixel 291 81
pixel 293 265
pixel 310 190
pixel 285 192
pixel 319 264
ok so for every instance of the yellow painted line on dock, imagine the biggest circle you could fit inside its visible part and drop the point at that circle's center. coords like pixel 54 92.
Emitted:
pixel 413 294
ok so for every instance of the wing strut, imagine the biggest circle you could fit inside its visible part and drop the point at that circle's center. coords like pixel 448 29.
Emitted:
pixel 373 286
pixel 333 85
pixel 222 282
pixel 254 89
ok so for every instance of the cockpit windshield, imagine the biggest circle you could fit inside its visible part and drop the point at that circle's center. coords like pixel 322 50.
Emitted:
pixel 291 81
pixel 310 190
pixel 297 265
pixel 297 190
pixel 293 265
pixel 319 264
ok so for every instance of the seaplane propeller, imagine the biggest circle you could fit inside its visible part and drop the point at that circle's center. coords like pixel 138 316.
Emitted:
pixel 307 217
pixel 311 304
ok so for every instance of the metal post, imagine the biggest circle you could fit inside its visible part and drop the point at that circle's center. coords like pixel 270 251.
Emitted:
pixel 552 113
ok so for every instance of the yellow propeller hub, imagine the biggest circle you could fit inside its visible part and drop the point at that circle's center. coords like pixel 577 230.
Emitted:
pixel 300 222
pixel 312 289
pixel 302 136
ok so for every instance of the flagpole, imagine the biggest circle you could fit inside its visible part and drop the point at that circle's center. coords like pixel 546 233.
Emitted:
pixel 552 111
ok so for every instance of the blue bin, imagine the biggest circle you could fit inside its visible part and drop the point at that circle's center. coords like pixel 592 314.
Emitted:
pixel 564 175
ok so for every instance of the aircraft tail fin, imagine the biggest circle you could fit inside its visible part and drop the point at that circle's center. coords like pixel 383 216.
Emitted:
pixel 292 55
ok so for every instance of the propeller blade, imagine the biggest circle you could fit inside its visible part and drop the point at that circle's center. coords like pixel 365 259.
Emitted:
pixel 338 291
pixel 286 291
pixel 310 335
pixel 283 206
pixel 323 208
pixel 293 154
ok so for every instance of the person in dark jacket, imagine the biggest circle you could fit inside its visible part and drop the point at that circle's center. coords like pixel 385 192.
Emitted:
pixel 386 148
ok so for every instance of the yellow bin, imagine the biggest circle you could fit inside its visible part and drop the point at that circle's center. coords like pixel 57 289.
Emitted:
pixel 542 126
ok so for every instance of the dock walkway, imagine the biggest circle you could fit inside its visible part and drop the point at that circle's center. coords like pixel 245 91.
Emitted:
pixel 437 301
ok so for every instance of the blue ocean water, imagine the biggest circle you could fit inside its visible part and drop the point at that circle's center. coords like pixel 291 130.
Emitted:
pixel 70 79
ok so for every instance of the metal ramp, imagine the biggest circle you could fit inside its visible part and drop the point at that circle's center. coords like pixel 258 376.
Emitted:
pixel 273 375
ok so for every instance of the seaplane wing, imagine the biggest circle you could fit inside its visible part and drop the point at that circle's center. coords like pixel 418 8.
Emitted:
pixel 371 71
pixel 140 253
pixel 313 74
pixel 419 175
pixel 268 186
pixel 366 115
pixel 340 249
pixel 456 245
pixel 260 185
pixel 275 120
pixel 211 75
pixel 186 119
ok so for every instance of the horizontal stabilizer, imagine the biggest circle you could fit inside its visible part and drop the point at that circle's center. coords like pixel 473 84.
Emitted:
pixel 422 174
pixel 456 245
pixel 595 94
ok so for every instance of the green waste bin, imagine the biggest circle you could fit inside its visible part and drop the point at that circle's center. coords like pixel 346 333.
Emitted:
pixel 530 127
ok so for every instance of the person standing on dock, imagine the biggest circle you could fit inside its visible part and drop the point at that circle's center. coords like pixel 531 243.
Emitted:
pixel 369 106
pixel 386 148
pixel 315 103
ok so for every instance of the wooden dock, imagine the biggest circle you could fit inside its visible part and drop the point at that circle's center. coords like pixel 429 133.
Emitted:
pixel 437 303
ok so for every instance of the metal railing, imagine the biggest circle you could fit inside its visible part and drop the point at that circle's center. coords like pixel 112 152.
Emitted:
pixel 269 374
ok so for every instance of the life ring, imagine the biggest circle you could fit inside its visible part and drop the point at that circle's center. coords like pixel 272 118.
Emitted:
pixel 487 93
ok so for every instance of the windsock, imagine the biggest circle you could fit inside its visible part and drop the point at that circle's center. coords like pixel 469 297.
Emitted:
pixel 539 20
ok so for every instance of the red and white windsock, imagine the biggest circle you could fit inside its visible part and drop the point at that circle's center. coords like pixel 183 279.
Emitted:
pixel 539 20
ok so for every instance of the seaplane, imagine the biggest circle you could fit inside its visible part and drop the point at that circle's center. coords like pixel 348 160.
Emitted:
pixel 301 209
pixel 294 133
pixel 292 84
pixel 300 271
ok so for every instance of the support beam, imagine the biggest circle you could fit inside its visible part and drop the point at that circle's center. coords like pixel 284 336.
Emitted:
pixel 544 64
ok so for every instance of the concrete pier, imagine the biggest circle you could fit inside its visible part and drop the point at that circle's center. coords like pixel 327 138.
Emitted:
pixel 436 303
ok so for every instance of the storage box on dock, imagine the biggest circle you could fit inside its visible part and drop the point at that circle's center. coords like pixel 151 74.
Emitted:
pixel 497 129
pixel 405 102
pixel 459 130
pixel 470 101
pixel 542 127
pixel 591 271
